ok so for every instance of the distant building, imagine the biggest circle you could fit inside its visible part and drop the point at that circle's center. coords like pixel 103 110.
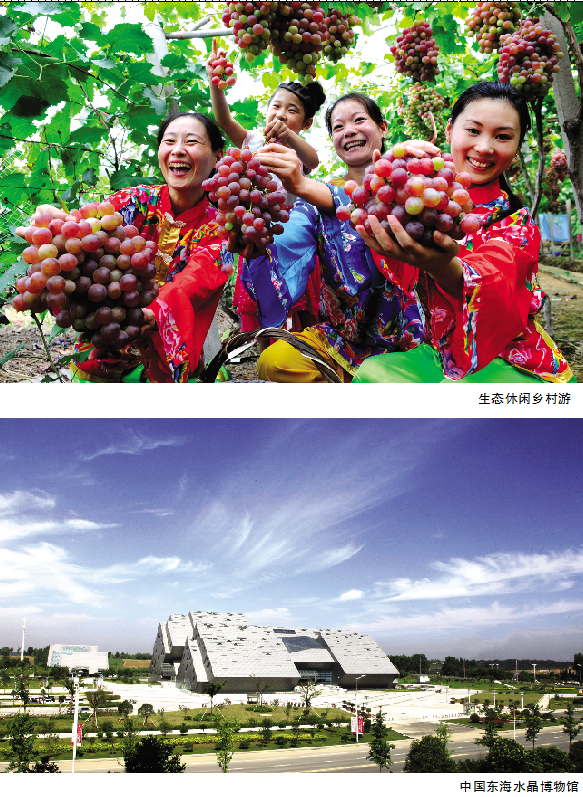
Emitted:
pixel 197 648
pixel 81 657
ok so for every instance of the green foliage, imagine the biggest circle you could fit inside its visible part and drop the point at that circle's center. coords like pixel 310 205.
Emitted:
pixel 490 731
pixel 429 754
pixel 225 746
pixel 22 736
pixel 380 749
pixel 534 724
pixel 152 754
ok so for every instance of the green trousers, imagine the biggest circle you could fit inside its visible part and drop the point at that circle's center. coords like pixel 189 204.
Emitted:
pixel 422 365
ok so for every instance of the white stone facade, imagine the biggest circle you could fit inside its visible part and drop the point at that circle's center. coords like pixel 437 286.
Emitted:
pixel 202 647
pixel 83 657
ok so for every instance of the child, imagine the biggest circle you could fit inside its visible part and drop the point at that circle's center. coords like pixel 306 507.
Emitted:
pixel 290 111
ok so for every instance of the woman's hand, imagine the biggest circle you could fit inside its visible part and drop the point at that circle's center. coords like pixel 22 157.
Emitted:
pixel 276 130
pixel 441 264
pixel 421 149
pixel 249 251
pixel 214 56
pixel 284 163
pixel 150 324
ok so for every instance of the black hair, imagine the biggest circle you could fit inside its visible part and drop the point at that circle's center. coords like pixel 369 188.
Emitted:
pixel 370 106
pixel 496 90
pixel 213 131
pixel 312 96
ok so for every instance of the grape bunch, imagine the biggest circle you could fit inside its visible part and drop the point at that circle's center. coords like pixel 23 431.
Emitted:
pixel 559 164
pixel 298 37
pixel 423 114
pixel 248 199
pixel 252 23
pixel 415 53
pixel 341 34
pixel 529 58
pixel 489 21
pixel 223 74
pixel 91 271
pixel 424 194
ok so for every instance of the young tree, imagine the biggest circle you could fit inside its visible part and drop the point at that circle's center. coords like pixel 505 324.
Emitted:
pixel 490 730
pixel 534 724
pixel 428 754
pixel 152 754
pixel 213 689
pixel 225 746
pixel 125 708
pixel 570 725
pixel 266 732
pixel 380 749
pixel 96 700
pixel 308 691
pixel 146 710
pixel 21 735
pixel 130 735
pixel 261 686
pixel 108 729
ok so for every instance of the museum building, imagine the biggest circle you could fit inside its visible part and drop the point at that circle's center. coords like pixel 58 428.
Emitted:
pixel 197 648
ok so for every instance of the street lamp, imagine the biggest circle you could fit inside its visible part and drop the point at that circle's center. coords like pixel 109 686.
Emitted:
pixel 75 718
pixel 494 693
pixel 356 680
pixel 522 701
pixel 513 707
pixel 578 665
pixel 534 673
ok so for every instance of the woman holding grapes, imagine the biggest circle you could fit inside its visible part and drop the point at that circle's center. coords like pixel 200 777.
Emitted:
pixel 478 303
pixel 481 326
pixel 189 269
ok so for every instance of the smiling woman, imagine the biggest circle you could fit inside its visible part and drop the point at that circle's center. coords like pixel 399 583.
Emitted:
pixel 188 266
pixel 362 313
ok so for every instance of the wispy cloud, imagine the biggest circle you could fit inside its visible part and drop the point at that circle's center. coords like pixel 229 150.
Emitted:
pixel 496 573
pixel 330 558
pixel 20 500
pixel 19 529
pixel 471 616
pixel 133 443
pixel 271 617
pixel 159 511
pixel 56 574
pixel 351 595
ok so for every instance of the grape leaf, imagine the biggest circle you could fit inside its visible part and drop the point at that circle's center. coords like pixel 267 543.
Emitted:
pixel 7 27
pixel 129 38
pixel 7 67
pixel 11 274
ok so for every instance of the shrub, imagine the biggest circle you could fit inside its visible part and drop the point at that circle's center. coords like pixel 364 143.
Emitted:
pixel 282 724
pixel 474 717
pixel 183 728
pixel 244 744
pixel 188 748
pixel 281 741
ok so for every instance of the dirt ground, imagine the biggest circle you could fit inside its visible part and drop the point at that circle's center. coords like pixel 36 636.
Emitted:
pixel 30 364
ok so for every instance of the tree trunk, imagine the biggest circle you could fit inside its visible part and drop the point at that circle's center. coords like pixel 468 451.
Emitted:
pixel 569 109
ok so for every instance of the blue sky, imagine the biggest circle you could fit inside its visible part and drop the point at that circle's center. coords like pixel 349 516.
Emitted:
pixel 449 537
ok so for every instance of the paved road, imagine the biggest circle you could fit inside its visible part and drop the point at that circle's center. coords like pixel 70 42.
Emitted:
pixel 328 759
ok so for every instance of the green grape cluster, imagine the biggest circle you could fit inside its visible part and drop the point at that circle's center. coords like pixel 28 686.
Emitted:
pixel 423 114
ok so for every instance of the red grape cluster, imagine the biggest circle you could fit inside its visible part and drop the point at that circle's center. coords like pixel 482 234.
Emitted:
pixel 559 164
pixel 298 38
pixel 423 114
pixel 91 271
pixel 415 53
pixel 489 21
pixel 249 200
pixel 424 194
pixel 529 58
pixel 252 23
pixel 223 74
pixel 341 34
